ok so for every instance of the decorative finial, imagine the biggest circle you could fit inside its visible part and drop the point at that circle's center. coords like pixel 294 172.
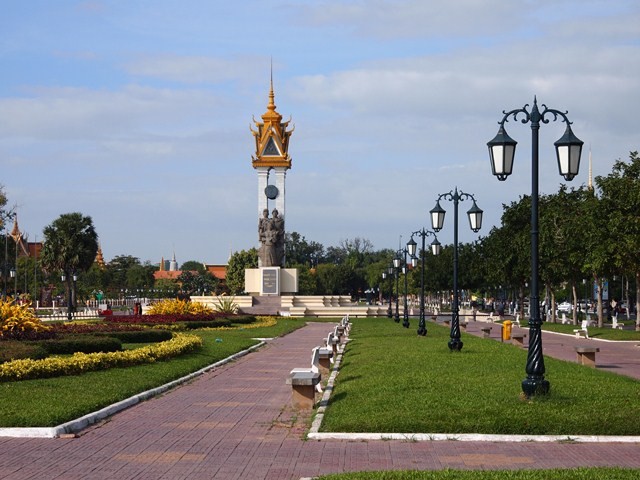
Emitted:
pixel 272 105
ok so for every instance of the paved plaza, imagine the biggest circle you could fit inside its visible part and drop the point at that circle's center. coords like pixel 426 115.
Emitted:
pixel 235 422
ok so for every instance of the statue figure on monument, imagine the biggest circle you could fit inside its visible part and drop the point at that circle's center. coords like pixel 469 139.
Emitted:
pixel 271 235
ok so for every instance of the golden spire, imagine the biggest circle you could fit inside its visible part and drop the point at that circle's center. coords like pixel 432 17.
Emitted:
pixel 100 258
pixel 271 106
pixel 15 232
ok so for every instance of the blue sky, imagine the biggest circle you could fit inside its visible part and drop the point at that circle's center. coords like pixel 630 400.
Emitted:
pixel 137 113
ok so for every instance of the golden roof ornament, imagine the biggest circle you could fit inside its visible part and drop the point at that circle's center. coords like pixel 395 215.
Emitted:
pixel 272 137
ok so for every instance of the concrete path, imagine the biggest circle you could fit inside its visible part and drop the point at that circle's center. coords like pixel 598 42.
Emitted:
pixel 236 423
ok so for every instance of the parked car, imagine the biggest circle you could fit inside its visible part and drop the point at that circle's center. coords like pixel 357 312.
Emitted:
pixel 565 307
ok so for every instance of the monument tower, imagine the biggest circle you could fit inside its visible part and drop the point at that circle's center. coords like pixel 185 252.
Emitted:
pixel 271 160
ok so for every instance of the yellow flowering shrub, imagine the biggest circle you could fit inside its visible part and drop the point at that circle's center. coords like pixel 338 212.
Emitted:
pixel 84 362
pixel 178 307
pixel 15 318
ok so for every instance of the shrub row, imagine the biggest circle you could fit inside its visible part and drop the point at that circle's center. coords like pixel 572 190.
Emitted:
pixel 81 343
pixel 243 319
pixel 165 319
pixel 207 324
pixel 140 336
pixel 77 327
pixel 82 362
pixel 15 350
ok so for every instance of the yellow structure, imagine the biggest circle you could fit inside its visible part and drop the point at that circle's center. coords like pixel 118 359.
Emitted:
pixel 272 138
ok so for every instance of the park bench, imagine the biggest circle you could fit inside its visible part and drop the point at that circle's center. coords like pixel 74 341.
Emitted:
pixel 582 330
pixel 305 382
pixel 517 320
pixel 486 332
pixel 346 324
pixel 328 352
pixel 463 326
pixel 565 320
pixel 587 356
pixel 517 340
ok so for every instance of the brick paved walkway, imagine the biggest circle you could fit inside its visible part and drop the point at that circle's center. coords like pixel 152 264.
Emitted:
pixel 235 423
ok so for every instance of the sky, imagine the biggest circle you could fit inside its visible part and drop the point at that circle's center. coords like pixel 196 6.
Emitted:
pixel 137 113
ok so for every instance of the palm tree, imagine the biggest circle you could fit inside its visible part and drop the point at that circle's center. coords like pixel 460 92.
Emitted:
pixel 70 247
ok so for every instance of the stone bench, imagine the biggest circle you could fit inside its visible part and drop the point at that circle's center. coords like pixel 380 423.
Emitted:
pixel 582 330
pixel 587 356
pixel 305 382
pixel 486 332
pixel 517 340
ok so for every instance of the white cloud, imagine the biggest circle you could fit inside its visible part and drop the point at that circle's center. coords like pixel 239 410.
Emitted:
pixel 192 69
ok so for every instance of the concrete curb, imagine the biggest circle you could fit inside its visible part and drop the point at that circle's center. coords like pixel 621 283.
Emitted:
pixel 79 424
pixel 472 437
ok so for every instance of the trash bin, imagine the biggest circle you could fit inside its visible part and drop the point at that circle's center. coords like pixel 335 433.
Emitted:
pixel 506 330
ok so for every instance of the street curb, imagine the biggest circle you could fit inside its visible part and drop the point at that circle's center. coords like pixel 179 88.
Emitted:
pixel 472 437
pixel 81 423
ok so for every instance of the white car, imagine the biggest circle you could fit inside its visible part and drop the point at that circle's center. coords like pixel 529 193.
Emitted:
pixel 565 307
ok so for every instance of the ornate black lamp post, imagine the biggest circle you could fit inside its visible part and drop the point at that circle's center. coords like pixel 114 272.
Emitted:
pixel 390 272
pixel 63 277
pixel 435 249
pixel 502 151
pixel 396 267
pixel 405 311
pixel 437 222
pixel 71 294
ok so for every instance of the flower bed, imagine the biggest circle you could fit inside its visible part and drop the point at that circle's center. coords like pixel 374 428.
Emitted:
pixel 163 319
pixel 83 362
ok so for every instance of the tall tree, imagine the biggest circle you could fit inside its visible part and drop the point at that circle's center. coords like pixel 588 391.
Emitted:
pixel 620 195
pixel 235 269
pixel 193 266
pixel 117 272
pixel 299 251
pixel 70 246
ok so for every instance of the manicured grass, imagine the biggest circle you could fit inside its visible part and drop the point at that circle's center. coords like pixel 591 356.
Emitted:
pixel 392 380
pixel 50 402
pixel 605 332
pixel 555 474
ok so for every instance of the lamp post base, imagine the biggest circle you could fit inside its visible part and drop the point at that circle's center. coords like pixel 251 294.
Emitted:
pixel 535 385
pixel 405 323
pixel 422 329
pixel 455 344
pixel 396 318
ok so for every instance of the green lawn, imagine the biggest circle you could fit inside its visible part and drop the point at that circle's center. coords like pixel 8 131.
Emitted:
pixel 392 380
pixel 50 402
pixel 605 332
pixel 555 474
